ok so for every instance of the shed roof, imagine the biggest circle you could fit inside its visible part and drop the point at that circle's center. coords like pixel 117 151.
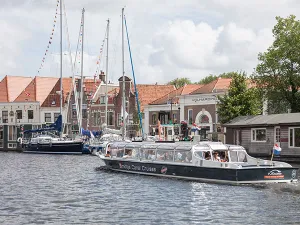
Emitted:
pixel 274 119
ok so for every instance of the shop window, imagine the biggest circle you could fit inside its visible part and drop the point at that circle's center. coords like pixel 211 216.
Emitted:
pixel 258 134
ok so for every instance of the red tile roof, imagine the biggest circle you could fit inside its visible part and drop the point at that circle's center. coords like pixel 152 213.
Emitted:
pixel 90 86
pixel 173 95
pixel 148 92
pixel 3 90
pixel 12 86
pixel 218 85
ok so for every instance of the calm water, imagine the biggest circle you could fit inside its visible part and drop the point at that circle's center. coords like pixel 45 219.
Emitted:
pixel 57 189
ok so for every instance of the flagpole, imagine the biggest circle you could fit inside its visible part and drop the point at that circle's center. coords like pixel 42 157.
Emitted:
pixel 61 69
pixel 123 89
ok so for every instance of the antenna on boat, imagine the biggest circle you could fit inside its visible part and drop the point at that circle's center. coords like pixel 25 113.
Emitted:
pixel 81 77
pixel 106 97
pixel 123 89
pixel 61 68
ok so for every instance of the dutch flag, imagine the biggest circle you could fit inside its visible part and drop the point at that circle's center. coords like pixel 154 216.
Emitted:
pixel 276 149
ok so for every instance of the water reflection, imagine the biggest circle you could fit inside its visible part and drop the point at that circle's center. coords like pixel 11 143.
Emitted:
pixel 44 189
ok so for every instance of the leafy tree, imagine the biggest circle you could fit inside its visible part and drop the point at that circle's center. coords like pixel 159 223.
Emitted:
pixel 179 82
pixel 240 100
pixel 210 78
pixel 278 72
pixel 228 75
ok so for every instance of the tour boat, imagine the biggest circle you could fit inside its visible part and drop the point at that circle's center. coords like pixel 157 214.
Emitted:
pixel 203 161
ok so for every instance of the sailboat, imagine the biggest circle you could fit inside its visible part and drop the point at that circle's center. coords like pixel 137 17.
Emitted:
pixel 47 142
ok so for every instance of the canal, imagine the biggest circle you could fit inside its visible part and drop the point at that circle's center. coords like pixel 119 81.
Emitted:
pixel 61 189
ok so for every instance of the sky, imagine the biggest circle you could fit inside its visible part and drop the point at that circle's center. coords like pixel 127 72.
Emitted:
pixel 169 39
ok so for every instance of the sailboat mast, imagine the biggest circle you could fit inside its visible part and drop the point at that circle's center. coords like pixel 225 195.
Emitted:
pixel 81 77
pixel 106 80
pixel 123 89
pixel 61 69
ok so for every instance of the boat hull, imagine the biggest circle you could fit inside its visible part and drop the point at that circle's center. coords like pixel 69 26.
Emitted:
pixel 55 148
pixel 206 174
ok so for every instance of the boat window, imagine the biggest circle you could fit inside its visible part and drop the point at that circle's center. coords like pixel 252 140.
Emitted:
pixel 242 156
pixel 120 152
pixel 183 156
pixel 233 156
pixel 207 155
pixel 222 156
pixel 199 154
pixel 147 154
pixel 164 155
pixel 114 150
pixel 238 156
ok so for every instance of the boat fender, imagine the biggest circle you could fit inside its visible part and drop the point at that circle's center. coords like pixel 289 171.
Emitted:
pixel 38 145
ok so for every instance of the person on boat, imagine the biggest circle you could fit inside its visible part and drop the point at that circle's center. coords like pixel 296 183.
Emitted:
pixel 128 155
pixel 216 156
pixel 207 156
pixel 224 156
pixel 107 152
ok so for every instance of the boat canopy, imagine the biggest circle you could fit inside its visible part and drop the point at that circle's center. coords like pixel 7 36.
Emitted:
pixel 178 146
pixel 52 127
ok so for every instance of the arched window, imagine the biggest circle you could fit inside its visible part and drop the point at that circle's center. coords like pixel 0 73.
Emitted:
pixel 203 119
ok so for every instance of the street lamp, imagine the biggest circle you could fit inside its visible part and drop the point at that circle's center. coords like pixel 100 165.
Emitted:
pixel 215 128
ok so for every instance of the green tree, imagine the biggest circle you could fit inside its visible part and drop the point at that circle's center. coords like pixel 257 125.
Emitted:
pixel 278 72
pixel 179 82
pixel 211 77
pixel 208 79
pixel 240 100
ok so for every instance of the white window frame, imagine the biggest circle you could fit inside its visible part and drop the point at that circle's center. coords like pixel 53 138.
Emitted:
pixel 113 120
pixel 293 144
pixel 119 117
pixel 48 117
pixel 275 134
pixel 255 129
pixel 2 140
pixel 189 116
pixel 14 132
pixel 12 145
pixel 102 99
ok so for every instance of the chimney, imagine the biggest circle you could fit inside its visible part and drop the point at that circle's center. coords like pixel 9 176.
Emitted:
pixel 102 76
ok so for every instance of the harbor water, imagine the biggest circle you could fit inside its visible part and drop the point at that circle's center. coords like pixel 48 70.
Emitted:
pixel 70 189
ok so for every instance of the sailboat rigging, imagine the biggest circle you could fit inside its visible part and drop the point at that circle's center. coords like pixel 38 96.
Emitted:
pixel 47 142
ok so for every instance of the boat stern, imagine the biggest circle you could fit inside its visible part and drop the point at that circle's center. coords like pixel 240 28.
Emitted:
pixel 268 175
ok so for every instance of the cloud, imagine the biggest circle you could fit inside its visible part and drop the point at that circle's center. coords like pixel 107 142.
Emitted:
pixel 168 39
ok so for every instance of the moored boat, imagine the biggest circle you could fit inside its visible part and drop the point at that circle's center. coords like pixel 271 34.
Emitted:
pixel 204 161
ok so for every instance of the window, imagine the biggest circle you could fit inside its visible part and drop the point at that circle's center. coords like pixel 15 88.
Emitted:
pixel 56 115
pixel 154 119
pixel 84 111
pixel 190 116
pixel 102 99
pixel 277 134
pixel 258 135
pixel 110 118
pixel 119 119
pixel 1 137
pixel 5 116
pixel 74 114
pixel 174 118
pixel 97 118
pixel 48 117
pixel 204 119
pixel 294 140
pixel 30 114
pixel 19 114
pixel 12 133
pixel 12 145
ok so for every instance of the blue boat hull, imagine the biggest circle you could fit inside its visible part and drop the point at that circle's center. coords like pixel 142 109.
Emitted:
pixel 59 148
